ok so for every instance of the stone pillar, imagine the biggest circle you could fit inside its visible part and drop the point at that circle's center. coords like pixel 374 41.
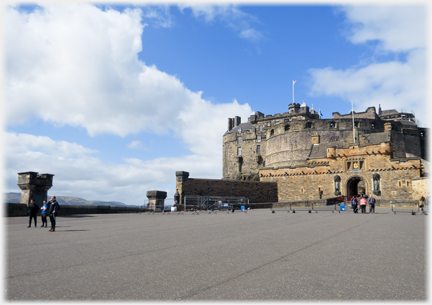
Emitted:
pixel 181 178
pixel 156 200
pixel 387 127
pixel 34 186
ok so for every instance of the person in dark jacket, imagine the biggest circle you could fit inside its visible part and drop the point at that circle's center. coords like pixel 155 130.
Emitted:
pixel 354 204
pixel 33 208
pixel 52 212
pixel 371 202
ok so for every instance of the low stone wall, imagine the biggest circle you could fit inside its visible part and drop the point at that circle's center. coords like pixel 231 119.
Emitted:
pixel 15 209
pixel 255 191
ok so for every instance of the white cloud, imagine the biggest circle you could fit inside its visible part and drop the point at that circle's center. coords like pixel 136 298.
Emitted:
pixel 138 145
pixel 239 21
pixel 159 15
pixel 398 28
pixel 395 84
pixel 77 65
pixel 78 173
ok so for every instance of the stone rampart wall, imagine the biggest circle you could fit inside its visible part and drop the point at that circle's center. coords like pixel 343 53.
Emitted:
pixel 254 191
pixel 420 188
pixel 14 209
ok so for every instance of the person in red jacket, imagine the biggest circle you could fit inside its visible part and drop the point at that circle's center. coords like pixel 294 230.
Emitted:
pixel 363 204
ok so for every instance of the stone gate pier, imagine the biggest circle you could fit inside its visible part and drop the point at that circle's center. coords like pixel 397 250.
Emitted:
pixel 34 186
pixel 156 200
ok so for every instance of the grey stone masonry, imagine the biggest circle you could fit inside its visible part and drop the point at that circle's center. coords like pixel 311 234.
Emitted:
pixel 34 186
pixel 156 200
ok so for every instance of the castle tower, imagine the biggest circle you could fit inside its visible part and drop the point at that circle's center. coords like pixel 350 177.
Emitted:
pixel 34 186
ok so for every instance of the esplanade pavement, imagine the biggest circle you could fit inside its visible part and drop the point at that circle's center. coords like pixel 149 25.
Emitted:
pixel 258 255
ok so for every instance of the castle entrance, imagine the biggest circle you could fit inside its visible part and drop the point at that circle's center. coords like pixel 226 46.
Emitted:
pixel 356 186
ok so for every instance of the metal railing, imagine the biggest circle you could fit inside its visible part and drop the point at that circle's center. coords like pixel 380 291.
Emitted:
pixel 400 206
pixel 305 206
pixel 214 203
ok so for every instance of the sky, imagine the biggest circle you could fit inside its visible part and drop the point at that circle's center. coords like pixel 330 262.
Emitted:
pixel 114 98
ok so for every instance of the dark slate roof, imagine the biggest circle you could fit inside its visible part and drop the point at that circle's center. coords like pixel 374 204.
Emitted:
pixel 375 138
pixel 408 123
pixel 320 150
pixel 389 112
pixel 243 126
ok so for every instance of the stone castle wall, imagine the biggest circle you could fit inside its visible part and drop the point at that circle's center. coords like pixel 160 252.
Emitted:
pixel 253 190
pixel 420 187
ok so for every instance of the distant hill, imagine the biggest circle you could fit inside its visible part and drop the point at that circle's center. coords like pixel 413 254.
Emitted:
pixel 65 200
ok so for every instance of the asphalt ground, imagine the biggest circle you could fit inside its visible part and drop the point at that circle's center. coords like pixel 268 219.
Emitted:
pixel 254 256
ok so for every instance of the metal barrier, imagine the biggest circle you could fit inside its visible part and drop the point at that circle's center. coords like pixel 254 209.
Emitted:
pixel 305 206
pixel 406 207
pixel 215 203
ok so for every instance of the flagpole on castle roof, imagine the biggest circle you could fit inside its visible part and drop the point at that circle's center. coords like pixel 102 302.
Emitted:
pixel 294 81
pixel 352 111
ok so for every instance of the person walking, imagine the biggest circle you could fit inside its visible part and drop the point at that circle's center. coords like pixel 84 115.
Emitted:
pixel 52 213
pixel 363 204
pixel 422 202
pixel 371 202
pixel 44 213
pixel 33 208
pixel 354 204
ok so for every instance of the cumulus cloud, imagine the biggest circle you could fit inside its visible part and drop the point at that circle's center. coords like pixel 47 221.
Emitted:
pixel 79 172
pixel 78 65
pixel 397 28
pixel 395 84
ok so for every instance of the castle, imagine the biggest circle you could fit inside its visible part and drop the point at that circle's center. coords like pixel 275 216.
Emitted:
pixel 298 156
pixel 312 158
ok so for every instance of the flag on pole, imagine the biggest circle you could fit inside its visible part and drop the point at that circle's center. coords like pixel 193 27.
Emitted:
pixel 294 81
pixel 321 113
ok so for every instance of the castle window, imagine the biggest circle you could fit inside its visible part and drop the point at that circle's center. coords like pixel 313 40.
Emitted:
pixel 308 125
pixel 277 123
pixel 332 125
pixel 239 151
pixel 373 125
pixel 258 138
pixel 258 150
pixel 239 130
pixel 271 132
pixel 239 140
pixel 260 128
pixel 356 124
pixel 287 127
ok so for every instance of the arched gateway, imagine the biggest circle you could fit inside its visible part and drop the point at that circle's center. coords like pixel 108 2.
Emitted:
pixel 356 186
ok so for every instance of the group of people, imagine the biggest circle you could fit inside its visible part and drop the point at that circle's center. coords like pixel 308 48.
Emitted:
pixel 364 200
pixel 48 209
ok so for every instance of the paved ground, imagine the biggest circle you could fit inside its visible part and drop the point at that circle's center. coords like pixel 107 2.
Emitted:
pixel 255 256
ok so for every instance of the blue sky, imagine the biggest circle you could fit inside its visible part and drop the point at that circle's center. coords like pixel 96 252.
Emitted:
pixel 113 99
